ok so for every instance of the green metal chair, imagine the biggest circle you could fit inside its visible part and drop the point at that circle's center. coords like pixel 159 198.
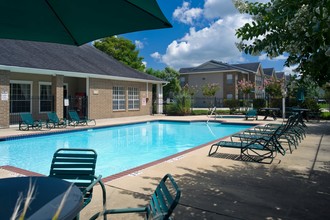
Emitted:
pixel 163 202
pixel 76 120
pixel 252 113
pixel 78 166
pixel 53 121
pixel 28 122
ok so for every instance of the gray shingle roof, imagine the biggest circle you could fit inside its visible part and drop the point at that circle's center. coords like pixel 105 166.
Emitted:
pixel 49 56
pixel 269 71
pixel 280 75
pixel 220 66
pixel 248 66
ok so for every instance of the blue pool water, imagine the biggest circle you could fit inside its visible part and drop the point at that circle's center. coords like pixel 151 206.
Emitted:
pixel 119 148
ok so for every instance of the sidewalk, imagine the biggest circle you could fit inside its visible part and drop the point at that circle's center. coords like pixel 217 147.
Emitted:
pixel 294 186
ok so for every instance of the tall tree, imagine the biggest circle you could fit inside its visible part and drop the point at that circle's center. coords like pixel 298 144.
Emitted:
pixel 122 50
pixel 170 75
pixel 299 28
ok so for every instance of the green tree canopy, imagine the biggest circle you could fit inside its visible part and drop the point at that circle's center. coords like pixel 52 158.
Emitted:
pixel 299 28
pixel 170 75
pixel 122 50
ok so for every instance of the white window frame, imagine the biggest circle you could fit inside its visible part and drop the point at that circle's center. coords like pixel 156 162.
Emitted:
pixel 133 98
pixel 229 96
pixel 44 84
pixel 22 82
pixel 229 81
pixel 118 98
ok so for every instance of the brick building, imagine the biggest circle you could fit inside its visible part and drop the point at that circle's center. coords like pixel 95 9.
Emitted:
pixel 226 76
pixel 41 77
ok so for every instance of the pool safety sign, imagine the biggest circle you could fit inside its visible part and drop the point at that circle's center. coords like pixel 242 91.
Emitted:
pixel 4 96
pixel 66 102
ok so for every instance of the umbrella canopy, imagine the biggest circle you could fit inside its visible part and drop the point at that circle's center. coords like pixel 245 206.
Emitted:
pixel 77 22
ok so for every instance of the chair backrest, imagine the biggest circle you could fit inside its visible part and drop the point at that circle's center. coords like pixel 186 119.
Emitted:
pixel 77 166
pixel 251 112
pixel 165 199
pixel 52 116
pixel 74 115
pixel 27 118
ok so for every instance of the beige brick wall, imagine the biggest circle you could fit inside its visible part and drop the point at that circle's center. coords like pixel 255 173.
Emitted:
pixel 57 87
pixel 100 98
pixel 204 78
pixel 4 104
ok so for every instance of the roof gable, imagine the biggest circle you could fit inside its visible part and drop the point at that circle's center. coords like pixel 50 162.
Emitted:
pixel 49 56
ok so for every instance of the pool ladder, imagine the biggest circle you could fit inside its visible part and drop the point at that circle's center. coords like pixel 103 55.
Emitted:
pixel 213 112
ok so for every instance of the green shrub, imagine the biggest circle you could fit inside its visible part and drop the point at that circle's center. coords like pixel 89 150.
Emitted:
pixel 311 104
pixel 259 103
pixel 181 105
pixel 325 115
pixel 232 104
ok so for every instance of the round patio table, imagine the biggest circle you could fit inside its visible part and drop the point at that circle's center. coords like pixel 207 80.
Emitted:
pixel 47 197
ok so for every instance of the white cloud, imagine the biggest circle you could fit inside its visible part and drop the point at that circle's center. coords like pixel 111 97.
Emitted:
pixel 211 35
pixel 290 70
pixel 217 42
pixel 138 44
pixel 157 56
pixel 219 8
pixel 265 57
pixel 187 15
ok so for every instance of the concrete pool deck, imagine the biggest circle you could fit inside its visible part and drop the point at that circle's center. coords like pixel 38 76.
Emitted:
pixel 294 186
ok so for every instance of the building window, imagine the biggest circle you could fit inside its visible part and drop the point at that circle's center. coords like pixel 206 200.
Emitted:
pixel 118 98
pixel 46 98
pixel 229 96
pixel 20 97
pixel 229 78
pixel 133 99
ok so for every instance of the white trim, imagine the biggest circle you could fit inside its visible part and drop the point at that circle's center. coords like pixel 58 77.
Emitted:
pixel 73 74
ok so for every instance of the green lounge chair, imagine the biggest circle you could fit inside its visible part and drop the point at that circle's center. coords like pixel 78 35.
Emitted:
pixel 257 150
pixel 28 122
pixel 266 133
pixel 76 120
pixel 78 166
pixel 294 132
pixel 53 121
pixel 252 113
pixel 162 203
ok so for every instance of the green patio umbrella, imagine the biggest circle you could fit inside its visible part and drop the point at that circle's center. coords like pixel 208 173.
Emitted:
pixel 77 22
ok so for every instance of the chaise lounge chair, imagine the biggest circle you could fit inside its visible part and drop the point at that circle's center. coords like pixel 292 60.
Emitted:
pixel 78 166
pixel 28 122
pixel 53 121
pixel 252 113
pixel 256 150
pixel 163 202
pixel 76 120
pixel 268 130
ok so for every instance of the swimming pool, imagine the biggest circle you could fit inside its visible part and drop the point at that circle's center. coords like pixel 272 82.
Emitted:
pixel 119 148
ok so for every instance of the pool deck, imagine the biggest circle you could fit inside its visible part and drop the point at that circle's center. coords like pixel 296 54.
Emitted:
pixel 294 186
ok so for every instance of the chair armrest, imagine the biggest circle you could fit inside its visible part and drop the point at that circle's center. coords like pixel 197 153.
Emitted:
pixel 104 196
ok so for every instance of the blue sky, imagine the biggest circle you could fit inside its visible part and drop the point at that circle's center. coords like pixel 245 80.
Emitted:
pixel 202 30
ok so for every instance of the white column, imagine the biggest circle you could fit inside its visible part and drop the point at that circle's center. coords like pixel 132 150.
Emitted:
pixel 159 101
